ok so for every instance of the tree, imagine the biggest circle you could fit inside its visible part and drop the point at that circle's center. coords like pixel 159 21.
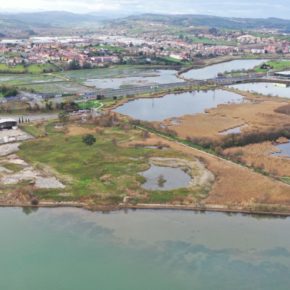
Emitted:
pixel 74 65
pixel 213 31
pixel 161 180
pixel 89 139
pixel 63 117
pixel 87 65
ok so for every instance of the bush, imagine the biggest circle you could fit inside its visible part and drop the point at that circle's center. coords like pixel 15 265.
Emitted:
pixel 34 201
pixel 89 139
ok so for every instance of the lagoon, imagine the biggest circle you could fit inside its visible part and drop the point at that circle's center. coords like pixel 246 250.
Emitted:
pixel 177 105
pixel 212 71
pixel 151 77
pixel 166 250
pixel 264 88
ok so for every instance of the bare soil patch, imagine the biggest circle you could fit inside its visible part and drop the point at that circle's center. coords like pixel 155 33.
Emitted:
pixel 78 131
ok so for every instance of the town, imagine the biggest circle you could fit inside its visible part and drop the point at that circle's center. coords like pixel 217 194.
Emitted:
pixel 120 46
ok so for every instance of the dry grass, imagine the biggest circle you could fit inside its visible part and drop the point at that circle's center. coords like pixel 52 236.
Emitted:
pixel 236 184
pixel 74 130
pixel 257 116
pixel 259 156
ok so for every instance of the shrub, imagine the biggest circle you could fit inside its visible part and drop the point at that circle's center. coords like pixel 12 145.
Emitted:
pixel 89 139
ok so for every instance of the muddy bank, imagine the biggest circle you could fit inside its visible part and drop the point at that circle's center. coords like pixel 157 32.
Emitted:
pixel 193 208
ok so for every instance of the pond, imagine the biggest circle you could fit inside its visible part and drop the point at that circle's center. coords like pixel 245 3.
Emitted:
pixel 284 150
pixel 123 76
pixel 273 89
pixel 165 178
pixel 212 71
pixel 151 77
pixel 164 250
pixel 177 105
pixel 236 130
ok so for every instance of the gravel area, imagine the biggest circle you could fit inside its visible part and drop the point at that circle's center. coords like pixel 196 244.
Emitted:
pixel 9 149
pixel 48 183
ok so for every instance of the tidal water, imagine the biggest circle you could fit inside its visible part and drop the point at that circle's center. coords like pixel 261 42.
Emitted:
pixel 212 71
pixel 271 89
pixel 145 78
pixel 176 105
pixel 74 249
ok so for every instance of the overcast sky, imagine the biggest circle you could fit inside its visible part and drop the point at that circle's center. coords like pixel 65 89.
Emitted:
pixel 234 8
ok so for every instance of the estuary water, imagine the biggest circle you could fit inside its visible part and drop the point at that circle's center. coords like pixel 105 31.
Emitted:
pixel 133 78
pixel 177 105
pixel 271 89
pixel 212 71
pixel 74 249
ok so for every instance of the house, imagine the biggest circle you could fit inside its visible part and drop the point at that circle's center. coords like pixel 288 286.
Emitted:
pixel 7 124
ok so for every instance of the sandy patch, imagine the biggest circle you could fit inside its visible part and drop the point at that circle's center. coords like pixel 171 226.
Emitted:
pixel 48 183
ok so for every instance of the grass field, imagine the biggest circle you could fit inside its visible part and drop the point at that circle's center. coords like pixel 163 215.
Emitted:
pixel 89 105
pixel 32 68
pixel 104 172
pixel 211 41
pixel 277 65
pixel 60 87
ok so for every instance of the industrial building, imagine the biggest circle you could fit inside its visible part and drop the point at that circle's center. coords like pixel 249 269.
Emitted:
pixel 6 124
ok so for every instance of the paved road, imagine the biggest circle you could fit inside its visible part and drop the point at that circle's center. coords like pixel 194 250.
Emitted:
pixel 31 116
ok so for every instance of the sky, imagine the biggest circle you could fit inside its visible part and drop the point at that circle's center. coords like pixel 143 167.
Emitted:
pixel 230 8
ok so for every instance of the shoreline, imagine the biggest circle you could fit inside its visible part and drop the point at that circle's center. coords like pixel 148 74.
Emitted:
pixel 159 207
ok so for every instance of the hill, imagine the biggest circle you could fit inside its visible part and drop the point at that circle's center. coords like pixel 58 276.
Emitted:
pixel 215 21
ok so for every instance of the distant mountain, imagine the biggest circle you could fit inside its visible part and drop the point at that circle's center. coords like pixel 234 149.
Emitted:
pixel 214 21
pixel 27 24
pixel 51 18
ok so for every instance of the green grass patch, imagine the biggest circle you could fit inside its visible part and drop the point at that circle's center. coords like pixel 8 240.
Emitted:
pixel 277 65
pixel 89 105
pixel 103 170
pixel 13 167
pixel 33 130
pixel 286 179
pixel 31 69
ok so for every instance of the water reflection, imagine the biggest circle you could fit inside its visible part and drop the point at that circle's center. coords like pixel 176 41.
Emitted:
pixel 284 150
pixel 176 105
pixel 165 178
pixel 76 249
pixel 267 89
pixel 212 71
pixel 150 77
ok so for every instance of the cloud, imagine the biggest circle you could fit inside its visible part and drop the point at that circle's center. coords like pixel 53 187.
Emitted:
pixel 242 8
